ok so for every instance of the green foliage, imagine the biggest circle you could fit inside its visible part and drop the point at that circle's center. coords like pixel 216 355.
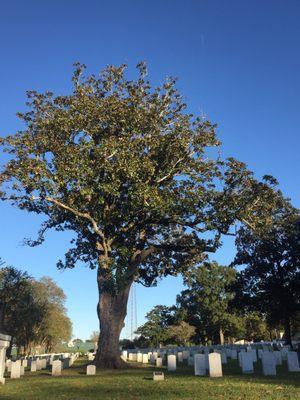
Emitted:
pixel 56 325
pixel 256 328
pixel 270 283
pixel 31 311
pixel 206 301
pixel 127 344
pixel 20 312
pixel 156 329
pixel 135 177
pixel 181 333
pixel 125 167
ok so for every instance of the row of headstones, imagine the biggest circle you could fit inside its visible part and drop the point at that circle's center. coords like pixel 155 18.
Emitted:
pixel 246 357
pixel 56 361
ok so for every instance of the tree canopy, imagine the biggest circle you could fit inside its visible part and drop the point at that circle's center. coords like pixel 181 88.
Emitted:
pixel 206 300
pixel 270 281
pixel 135 176
pixel 156 328
pixel 124 166
pixel 32 311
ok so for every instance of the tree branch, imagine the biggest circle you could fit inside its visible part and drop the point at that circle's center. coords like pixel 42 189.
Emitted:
pixel 78 214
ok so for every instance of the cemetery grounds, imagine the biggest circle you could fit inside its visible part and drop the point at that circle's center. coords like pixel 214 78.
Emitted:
pixel 136 383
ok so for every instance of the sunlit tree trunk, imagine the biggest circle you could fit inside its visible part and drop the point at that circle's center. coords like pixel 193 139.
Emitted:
pixel 112 310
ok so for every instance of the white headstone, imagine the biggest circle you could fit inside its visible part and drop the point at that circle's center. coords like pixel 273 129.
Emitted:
pixel 33 366
pixel 38 364
pixel 278 357
pixel 200 364
pixel 152 359
pixel 254 354
pixel 284 352
pixel 171 362
pixel 158 376
pixel 293 361
pixel 223 357
pixel 139 357
pixel 145 358
pixel 268 363
pixel 15 372
pixel 180 357
pixel 4 344
pixel 215 365
pixel 159 362
pixel 56 368
pixel 247 362
pixel 8 365
pixel 91 370
pixel 233 354
pixel 191 361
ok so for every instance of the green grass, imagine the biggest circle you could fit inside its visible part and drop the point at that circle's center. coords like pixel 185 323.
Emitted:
pixel 137 383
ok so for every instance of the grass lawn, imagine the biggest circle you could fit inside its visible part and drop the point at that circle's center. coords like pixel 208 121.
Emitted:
pixel 136 383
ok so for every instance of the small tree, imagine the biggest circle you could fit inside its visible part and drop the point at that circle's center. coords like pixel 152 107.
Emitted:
pixel 155 330
pixel 55 326
pixel 125 167
pixel 20 313
pixel 182 332
pixel 206 301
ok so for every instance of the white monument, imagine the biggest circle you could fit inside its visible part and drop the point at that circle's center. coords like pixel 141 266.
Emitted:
pixel 171 362
pixel 292 361
pixel 159 362
pixel 247 362
pixel 4 344
pixel 268 363
pixel 200 364
pixel 56 368
pixel 91 370
pixel 215 365
pixel 15 372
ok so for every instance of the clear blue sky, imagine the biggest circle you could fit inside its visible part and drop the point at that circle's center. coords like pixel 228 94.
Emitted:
pixel 238 61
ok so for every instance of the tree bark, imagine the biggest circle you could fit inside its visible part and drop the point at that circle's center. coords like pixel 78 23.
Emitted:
pixel 112 310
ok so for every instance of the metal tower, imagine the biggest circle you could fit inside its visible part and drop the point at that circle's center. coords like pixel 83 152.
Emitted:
pixel 132 313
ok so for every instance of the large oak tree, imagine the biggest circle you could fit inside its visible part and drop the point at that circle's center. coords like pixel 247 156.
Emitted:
pixel 125 167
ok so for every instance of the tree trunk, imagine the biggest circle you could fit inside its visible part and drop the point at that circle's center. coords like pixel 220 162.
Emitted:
pixel 112 310
pixel 221 336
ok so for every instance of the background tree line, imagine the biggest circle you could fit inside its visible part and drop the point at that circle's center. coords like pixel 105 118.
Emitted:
pixel 32 311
